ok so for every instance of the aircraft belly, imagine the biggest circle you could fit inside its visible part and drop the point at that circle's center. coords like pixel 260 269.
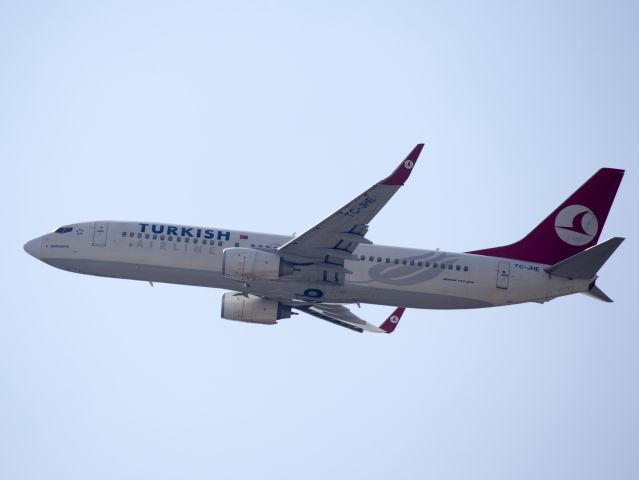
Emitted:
pixel 353 294
pixel 149 273
pixel 412 299
pixel 436 294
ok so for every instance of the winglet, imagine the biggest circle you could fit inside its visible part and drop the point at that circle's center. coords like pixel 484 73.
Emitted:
pixel 391 322
pixel 401 173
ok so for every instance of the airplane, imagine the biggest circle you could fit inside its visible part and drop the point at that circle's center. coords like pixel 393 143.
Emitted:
pixel 333 264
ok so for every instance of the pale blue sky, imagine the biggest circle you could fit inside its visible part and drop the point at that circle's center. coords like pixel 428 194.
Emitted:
pixel 267 116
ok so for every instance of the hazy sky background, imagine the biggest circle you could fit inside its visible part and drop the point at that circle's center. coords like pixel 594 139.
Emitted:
pixel 268 116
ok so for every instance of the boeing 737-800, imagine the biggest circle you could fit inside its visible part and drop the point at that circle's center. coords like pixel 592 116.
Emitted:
pixel 333 264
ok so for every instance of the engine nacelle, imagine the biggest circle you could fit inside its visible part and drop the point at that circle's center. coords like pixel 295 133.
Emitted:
pixel 248 264
pixel 252 309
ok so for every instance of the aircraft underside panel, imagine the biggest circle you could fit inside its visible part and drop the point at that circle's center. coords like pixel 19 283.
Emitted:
pixel 277 289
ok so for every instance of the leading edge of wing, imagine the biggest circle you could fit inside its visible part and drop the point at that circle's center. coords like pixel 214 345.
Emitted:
pixel 346 228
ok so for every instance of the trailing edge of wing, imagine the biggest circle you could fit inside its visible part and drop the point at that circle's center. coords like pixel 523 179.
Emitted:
pixel 342 316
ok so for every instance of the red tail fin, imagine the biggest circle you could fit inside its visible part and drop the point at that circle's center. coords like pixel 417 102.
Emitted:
pixel 574 226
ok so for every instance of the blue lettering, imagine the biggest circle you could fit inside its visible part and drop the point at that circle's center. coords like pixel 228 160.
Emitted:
pixel 184 231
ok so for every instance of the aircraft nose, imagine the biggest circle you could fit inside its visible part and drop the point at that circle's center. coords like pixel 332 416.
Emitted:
pixel 32 247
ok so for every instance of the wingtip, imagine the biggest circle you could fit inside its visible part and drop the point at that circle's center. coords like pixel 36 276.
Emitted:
pixel 403 171
pixel 392 321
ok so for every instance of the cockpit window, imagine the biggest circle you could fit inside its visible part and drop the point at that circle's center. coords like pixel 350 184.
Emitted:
pixel 64 230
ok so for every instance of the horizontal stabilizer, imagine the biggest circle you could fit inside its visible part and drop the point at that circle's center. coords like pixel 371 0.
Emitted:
pixel 596 292
pixel 586 264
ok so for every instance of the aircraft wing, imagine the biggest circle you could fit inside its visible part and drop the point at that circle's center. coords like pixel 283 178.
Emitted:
pixel 342 316
pixel 325 246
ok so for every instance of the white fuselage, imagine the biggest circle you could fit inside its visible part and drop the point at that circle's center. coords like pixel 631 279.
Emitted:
pixel 381 275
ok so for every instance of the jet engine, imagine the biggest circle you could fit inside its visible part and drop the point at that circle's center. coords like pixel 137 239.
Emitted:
pixel 253 309
pixel 245 264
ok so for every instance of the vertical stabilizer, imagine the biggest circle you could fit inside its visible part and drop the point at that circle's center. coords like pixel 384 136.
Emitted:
pixel 572 228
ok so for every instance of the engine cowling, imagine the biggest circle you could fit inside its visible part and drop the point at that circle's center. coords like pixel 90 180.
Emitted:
pixel 252 309
pixel 248 264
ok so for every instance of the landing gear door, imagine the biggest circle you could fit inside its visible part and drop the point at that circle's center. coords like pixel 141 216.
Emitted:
pixel 503 275
pixel 100 234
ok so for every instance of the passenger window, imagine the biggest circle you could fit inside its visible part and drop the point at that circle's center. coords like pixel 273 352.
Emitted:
pixel 178 239
pixel 450 266
pixel 457 267
pixel 362 257
pixel 124 234
pixel 205 241
pixel 465 269
pixel 371 258
pixel 155 237
pixel 195 240
pixel 404 262
pixel 396 261
pixel 186 240
pixel 412 262
pixel 219 243
pixel 162 237
pixel 147 236
pixel 442 266
pixel 434 265
pixel 427 264
pixel 237 244
pixel 170 238
pixel 419 264
pixel 139 235
pixel 131 234
pixel 379 259
pixel 387 260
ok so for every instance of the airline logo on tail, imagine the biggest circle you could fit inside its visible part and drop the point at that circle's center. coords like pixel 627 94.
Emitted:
pixel 576 225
